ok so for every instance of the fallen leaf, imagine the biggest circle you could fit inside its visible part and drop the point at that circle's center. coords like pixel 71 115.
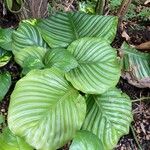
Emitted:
pixel 143 46
pixel 146 2
pixel 135 66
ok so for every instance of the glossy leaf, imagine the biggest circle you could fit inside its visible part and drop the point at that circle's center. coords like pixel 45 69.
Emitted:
pixel 85 140
pixel 98 68
pixel 136 66
pixel 61 29
pixel 6 38
pixel 5 82
pixel 8 141
pixel 26 35
pixel 61 59
pixel 45 109
pixel 108 116
pixel 5 57
pixel 30 58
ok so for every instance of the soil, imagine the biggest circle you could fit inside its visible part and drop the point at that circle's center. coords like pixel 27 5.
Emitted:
pixel 141 109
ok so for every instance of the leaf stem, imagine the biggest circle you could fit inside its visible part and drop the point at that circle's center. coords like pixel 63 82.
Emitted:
pixel 140 99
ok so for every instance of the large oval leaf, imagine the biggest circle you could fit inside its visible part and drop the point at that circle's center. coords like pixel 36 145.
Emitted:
pixel 26 35
pixel 45 109
pixel 60 58
pixel 97 70
pixel 108 116
pixel 85 140
pixel 8 141
pixel 61 29
pixel 5 82
pixel 6 38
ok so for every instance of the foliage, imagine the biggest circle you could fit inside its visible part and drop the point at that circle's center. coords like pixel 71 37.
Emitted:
pixel 10 141
pixel 5 57
pixel 5 38
pixel 114 4
pixel 14 6
pixel 145 14
pixel 136 66
pixel 5 46
pixel 66 58
pixel 85 140
pixel 5 82
pixel 133 12
pixel 87 6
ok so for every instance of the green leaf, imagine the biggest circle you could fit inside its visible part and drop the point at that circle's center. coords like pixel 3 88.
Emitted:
pixel 85 140
pixel 98 68
pixel 61 29
pixel 108 116
pixel 45 109
pixel 6 38
pixel 5 57
pixel 8 141
pixel 30 57
pixel 136 66
pixel 61 59
pixel 26 35
pixel 5 82
pixel 2 119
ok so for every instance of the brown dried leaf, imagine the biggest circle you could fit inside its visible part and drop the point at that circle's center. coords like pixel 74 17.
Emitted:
pixel 143 46
pixel 146 2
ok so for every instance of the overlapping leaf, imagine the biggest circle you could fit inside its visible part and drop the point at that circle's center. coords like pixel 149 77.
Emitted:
pixel 136 66
pixel 30 58
pixel 6 38
pixel 45 109
pixel 26 35
pixel 97 69
pixel 61 29
pixel 85 140
pixel 5 82
pixel 5 57
pixel 8 141
pixel 61 59
pixel 108 116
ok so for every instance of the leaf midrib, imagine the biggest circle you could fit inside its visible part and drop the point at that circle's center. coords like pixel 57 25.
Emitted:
pixel 44 114
pixel 75 33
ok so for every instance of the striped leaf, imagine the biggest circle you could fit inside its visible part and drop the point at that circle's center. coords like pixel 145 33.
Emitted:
pixel 136 66
pixel 6 38
pixel 61 29
pixel 26 35
pixel 85 140
pixel 5 83
pixel 30 57
pixel 8 141
pixel 61 59
pixel 108 116
pixel 97 69
pixel 45 109
pixel 5 57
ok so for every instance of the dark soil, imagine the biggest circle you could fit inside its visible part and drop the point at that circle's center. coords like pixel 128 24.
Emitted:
pixel 141 109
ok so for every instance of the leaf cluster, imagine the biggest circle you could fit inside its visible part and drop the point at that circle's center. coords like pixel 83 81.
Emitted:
pixel 68 90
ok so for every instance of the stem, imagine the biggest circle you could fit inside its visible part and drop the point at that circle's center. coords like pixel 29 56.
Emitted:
pixel 136 140
pixel 140 99
pixel 100 7
pixel 123 8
